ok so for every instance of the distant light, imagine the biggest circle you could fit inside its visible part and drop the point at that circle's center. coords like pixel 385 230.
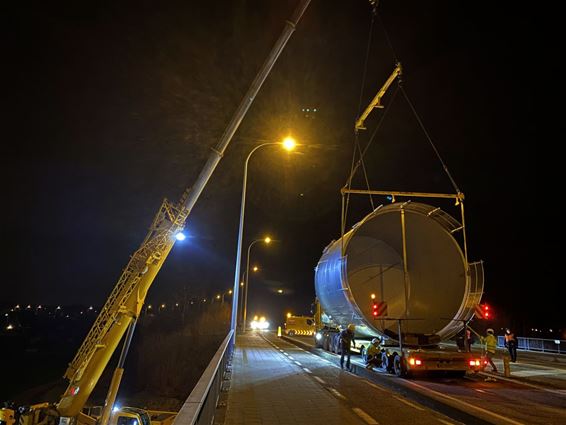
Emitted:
pixel 9 327
pixel 176 304
pixel 318 336
pixel 39 306
pixel 230 292
pixel 256 268
pixel 162 305
pixel 280 291
pixel 289 143
pixel 550 330
pixel 256 318
pixel 115 409
pixel 373 296
pixel 289 315
pixel 241 283
pixel 557 341
pixel 218 297
pixel 29 306
pixel 267 239
pixel 260 325
pixel 58 307
pixel 91 308
pixel 180 236
pixel 149 307
pixel 17 306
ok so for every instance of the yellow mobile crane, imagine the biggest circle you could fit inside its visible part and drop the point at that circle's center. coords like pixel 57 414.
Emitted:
pixel 123 306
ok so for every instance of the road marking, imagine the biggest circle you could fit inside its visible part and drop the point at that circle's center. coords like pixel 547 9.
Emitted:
pixel 298 364
pixel 408 403
pixel 442 421
pixel 291 357
pixel 337 393
pixel 322 381
pixel 282 350
pixel 367 418
pixel 479 391
pixel 377 387
pixel 286 354
pixel 471 406
pixel 307 370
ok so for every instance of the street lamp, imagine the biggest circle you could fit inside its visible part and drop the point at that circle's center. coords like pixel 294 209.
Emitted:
pixel 267 241
pixel 288 144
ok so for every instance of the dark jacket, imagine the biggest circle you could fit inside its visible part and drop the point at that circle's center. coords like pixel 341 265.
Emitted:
pixel 346 338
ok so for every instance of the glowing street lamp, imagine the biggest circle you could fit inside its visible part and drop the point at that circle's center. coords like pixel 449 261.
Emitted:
pixel 287 144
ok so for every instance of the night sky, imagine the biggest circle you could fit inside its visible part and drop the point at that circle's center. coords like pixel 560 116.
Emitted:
pixel 115 105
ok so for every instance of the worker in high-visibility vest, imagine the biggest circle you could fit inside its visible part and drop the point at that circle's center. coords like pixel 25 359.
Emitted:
pixel 373 354
pixel 490 344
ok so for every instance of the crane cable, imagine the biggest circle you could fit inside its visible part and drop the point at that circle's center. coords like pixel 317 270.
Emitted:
pixel 454 185
pixel 357 147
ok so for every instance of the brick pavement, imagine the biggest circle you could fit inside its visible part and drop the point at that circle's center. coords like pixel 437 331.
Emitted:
pixel 267 388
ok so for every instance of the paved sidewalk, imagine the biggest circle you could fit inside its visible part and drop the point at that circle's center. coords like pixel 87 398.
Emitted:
pixel 267 388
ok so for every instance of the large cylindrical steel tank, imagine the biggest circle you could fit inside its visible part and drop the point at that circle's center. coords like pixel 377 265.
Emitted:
pixel 435 287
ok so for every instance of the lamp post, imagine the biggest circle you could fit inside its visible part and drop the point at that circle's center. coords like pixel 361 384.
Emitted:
pixel 267 240
pixel 288 144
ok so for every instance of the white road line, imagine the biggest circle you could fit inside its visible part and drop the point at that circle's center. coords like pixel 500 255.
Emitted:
pixel 291 357
pixel 479 391
pixel 307 370
pixel 286 354
pixel 470 406
pixel 408 403
pixel 367 418
pixel 281 350
pixel 377 387
pixel 337 393
pixel 442 421
pixel 322 381
pixel 298 364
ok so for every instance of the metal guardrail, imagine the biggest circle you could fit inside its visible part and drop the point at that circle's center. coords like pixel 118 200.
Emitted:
pixel 200 406
pixel 540 345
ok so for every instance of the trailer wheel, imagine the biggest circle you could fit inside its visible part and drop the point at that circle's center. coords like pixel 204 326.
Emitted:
pixel 325 342
pixel 399 367
pixel 385 363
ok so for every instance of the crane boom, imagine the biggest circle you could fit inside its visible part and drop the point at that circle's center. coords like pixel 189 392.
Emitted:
pixel 126 299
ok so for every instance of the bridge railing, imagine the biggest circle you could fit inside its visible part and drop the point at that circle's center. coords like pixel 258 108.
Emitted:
pixel 200 406
pixel 541 345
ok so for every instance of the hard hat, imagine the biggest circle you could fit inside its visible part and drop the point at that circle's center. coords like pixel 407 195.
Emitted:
pixel 375 341
pixel 490 331
pixel 351 327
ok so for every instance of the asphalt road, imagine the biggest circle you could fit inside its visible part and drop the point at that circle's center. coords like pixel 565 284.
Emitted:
pixel 476 399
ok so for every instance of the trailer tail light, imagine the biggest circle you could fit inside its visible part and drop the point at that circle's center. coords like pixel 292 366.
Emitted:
pixel 475 363
pixel 415 362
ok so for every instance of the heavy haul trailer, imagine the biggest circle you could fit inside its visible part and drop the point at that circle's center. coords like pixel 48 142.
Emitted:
pixel 403 262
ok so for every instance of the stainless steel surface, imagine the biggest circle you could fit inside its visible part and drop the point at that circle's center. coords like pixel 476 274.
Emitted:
pixel 434 285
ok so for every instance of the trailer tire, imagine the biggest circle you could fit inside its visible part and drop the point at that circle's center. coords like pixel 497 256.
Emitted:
pixel 385 363
pixel 325 338
pixel 364 354
pixel 399 367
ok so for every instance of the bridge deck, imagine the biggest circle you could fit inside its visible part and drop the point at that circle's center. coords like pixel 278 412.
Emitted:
pixel 267 388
